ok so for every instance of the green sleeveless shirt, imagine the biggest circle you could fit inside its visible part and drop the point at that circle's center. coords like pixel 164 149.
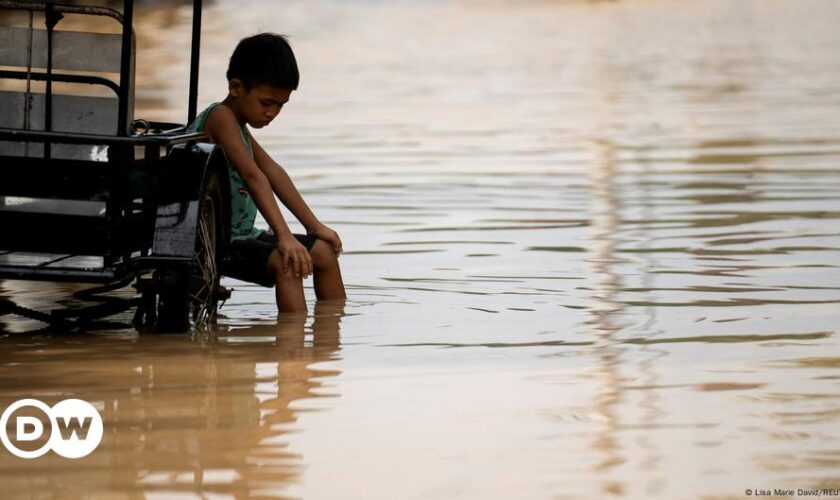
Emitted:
pixel 243 210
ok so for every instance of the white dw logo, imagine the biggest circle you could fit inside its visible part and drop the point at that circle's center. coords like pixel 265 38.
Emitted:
pixel 75 428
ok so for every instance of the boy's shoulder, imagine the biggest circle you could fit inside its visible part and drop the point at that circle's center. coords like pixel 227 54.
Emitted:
pixel 199 123
pixel 221 113
pixel 214 115
pixel 220 122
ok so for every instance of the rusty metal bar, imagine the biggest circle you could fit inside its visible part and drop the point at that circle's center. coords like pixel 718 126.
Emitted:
pixel 65 9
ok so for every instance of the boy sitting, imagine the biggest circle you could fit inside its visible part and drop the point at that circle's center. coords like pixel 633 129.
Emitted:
pixel 261 77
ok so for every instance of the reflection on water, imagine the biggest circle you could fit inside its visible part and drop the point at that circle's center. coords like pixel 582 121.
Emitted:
pixel 592 250
pixel 210 415
pixel 606 314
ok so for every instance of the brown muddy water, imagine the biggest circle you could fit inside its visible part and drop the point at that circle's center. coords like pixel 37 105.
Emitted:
pixel 592 251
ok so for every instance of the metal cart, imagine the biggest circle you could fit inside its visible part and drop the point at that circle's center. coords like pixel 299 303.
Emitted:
pixel 90 194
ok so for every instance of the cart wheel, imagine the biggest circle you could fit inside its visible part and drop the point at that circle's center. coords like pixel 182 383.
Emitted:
pixel 204 273
pixel 188 293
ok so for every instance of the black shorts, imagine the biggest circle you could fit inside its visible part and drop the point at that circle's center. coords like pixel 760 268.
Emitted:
pixel 247 260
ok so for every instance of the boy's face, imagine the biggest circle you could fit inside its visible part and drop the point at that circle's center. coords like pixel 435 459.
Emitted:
pixel 259 105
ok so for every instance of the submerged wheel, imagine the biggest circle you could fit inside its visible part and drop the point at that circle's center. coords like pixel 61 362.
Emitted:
pixel 204 274
pixel 187 294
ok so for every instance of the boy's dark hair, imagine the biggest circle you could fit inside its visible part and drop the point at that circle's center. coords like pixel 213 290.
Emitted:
pixel 265 58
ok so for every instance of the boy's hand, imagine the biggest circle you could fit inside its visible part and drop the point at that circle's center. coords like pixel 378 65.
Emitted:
pixel 295 257
pixel 328 235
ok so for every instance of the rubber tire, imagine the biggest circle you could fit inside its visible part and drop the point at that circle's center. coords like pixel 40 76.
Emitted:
pixel 176 284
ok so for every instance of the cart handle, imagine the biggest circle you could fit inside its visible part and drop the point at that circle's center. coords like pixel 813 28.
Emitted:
pixel 9 134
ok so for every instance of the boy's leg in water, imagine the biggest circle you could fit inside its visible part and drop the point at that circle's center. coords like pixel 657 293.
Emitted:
pixel 328 282
pixel 289 291
pixel 290 332
pixel 326 326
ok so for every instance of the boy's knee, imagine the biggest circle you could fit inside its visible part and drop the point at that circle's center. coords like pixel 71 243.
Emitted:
pixel 275 264
pixel 323 255
pixel 275 268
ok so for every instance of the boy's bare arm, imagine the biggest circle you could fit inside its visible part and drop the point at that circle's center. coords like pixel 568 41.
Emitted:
pixel 282 184
pixel 223 129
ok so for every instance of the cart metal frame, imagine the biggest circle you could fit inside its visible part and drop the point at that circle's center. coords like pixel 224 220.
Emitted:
pixel 161 194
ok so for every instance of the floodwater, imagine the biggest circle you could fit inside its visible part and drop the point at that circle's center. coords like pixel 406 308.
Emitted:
pixel 592 251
